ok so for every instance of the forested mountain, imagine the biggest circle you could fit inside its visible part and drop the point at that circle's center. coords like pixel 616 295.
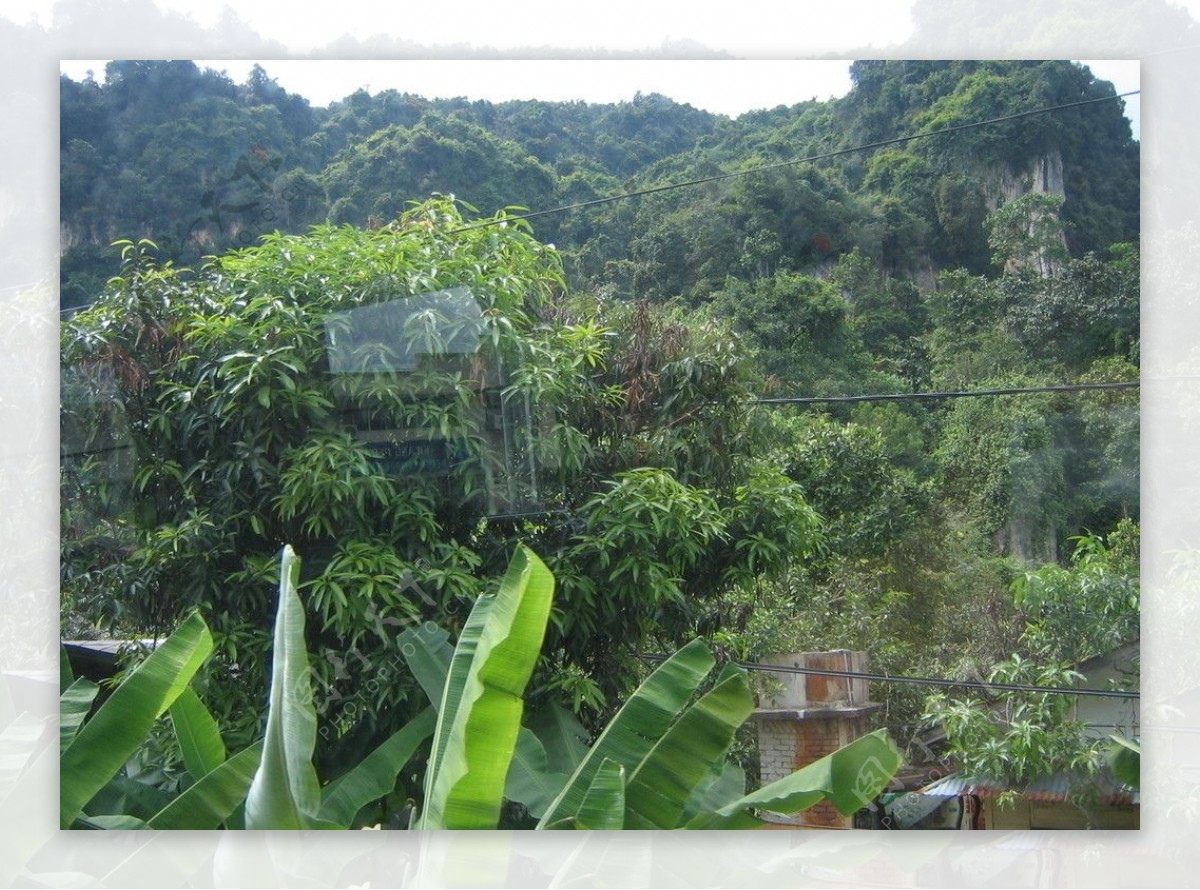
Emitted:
pixel 167 151
pixel 924 238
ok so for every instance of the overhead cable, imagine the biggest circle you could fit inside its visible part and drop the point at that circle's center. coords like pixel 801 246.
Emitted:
pixel 924 681
pixel 815 400
pixel 808 159
pixel 962 394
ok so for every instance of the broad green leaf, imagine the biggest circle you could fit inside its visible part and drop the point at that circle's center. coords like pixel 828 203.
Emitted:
pixel 562 736
pixel 73 706
pixel 850 778
pixel 724 785
pixel 683 759
pixel 211 800
pixel 122 723
pixel 603 805
pixel 451 693
pixel 531 781
pixel 1125 761
pixel 375 775
pixel 285 793
pixel 123 796
pixel 481 710
pixel 630 735
pixel 65 675
pixel 428 652
pixel 199 739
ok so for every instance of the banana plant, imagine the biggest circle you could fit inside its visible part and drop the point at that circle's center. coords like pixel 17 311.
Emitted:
pixel 660 763
pixel 285 791
pixel 672 745
pixel 94 749
pixel 271 784
pixel 1125 760
pixel 481 704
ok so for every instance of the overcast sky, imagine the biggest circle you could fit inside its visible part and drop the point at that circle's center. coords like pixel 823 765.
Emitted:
pixel 614 24
pixel 722 87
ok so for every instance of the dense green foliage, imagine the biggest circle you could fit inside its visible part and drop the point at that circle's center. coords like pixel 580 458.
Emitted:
pixel 660 763
pixel 585 381
pixel 1073 614
pixel 181 155
pixel 623 453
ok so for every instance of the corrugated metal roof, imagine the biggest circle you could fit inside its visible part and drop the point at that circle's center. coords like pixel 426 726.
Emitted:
pixel 1046 789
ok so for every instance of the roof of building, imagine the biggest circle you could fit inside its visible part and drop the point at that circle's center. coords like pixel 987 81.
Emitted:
pixel 1054 788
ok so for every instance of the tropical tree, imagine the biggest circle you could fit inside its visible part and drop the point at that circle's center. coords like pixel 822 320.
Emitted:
pixel 1018 736
pixel 1072 614
pixel 403 403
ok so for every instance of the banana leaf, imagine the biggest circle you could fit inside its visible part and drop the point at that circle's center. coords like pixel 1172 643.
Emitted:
pixel 375 775
pixel 561 735
pixel 548 751
pixel 531 781
pixel 207 803
pixel 428 652
pixel 105 742
pixel 125 796
pixel 603 806
pixel 684 757
pixel 285 793
pixel 66 677
pixel 449 697
pixel 199 739
pixel 73 706
pixel 630 736
pixel 850 778
pixel 1125 760
pixel 480 715
pixel 725 784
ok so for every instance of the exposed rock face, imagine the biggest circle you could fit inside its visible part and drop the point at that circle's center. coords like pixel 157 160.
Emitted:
pixel 1045 176
pixel 1031 543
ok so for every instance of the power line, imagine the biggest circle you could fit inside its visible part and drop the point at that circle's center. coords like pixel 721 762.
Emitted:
pixel 883 143
pixel 814 400
pixel 923 681
pixel 841 400
pixel 897 140
pixel 961 394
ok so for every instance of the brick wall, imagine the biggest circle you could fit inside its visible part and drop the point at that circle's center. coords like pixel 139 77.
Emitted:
pixel 812 716
pixel 785 746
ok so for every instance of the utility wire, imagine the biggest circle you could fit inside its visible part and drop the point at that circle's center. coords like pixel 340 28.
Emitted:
pixel 922 681
pixel 896 140
pixel 963 394
pixel 815 400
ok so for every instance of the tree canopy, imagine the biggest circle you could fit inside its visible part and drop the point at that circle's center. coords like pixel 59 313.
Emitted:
pixel 332 328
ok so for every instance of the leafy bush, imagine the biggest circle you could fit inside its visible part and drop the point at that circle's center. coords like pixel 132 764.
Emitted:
pixel 238 410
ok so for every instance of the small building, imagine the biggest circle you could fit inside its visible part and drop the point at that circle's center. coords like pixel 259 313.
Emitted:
pixel 813 715
pixel 1060 801
pixel 1105 715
